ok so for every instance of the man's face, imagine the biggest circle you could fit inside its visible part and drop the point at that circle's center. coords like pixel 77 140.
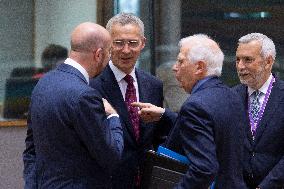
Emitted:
pixel 127 44
pixel 185 70
pixel 252 68
pixel 105 56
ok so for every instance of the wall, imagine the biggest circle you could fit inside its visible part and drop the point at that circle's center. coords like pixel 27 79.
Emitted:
pixel 27 27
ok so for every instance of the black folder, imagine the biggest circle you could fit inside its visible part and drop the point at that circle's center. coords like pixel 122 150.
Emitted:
pixel 160 171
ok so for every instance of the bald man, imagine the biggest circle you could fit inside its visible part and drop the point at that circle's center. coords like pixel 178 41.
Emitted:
pixel 71 142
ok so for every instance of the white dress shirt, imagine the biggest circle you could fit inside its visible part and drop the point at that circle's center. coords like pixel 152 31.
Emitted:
pixel 119 75
pixel 80 68
pixel 262 89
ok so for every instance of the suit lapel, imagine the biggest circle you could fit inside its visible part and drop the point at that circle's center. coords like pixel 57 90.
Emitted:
pixel 113 93
pixel 270 109
pixel 143 86
pixel 144 96
pixel 244 96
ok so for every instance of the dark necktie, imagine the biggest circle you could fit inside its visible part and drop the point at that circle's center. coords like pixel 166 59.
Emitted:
pixel 130 96
pixel 255 104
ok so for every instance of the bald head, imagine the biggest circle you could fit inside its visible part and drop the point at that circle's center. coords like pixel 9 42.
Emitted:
pixel 88 36
pixel 90 46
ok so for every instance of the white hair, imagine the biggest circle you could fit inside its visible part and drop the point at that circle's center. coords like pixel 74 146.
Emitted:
pixel 203 50
pixel 267 45
pixel 124 19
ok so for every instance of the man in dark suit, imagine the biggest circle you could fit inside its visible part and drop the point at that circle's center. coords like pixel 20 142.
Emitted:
pixel 71 143
pixel 263 96
pixel 121 83
pixel 209 127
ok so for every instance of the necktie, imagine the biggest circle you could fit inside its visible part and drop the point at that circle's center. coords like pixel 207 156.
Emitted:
pixel 255 104
pixel 130 96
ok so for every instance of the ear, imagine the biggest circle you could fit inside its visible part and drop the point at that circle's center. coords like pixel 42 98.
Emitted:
pixel 201 68
pixel 98 54
pixel 143 42
pixel 269 62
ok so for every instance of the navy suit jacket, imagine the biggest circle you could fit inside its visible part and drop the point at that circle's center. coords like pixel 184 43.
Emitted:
pixel 69 143
pixel 264 157
pixel 150 91
pixel 208 130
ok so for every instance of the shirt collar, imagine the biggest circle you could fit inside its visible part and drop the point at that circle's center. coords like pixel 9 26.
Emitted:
pixel 200 82
pixel 78 66
pixel 262 89
pixel 119 75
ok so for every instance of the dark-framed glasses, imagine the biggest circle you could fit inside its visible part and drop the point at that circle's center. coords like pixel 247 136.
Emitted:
pixel 119 44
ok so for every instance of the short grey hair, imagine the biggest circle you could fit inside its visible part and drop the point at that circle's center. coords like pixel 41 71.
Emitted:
pixel 267 45
pixel 202 50
pixel 124 19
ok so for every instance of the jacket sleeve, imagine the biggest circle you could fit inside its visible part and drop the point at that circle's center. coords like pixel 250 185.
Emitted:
pixel 103 137
pixel 29 157
pixel 196 132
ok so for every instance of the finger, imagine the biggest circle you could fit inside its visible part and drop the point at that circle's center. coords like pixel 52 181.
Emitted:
pixel 104 100
pixel 138 104
pixel 141 105
pixel 147 111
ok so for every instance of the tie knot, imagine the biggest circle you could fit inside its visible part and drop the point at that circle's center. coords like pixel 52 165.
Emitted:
pixel 256 93
pixel 128 79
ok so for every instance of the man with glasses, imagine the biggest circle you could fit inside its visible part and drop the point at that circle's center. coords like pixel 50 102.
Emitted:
pixel 121 84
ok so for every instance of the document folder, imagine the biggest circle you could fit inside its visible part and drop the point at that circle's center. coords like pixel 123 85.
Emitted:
pixel 161 171
pixel 171 154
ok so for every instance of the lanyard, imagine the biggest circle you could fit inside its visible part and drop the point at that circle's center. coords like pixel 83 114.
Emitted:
pixel 254 125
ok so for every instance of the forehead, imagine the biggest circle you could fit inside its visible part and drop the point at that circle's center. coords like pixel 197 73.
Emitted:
pixel 183 52
pixel 125 31
pixel 252 48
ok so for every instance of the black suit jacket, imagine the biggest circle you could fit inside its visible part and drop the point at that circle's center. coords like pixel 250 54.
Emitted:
pixel 150 91
pixel 209 131
pixel 264 157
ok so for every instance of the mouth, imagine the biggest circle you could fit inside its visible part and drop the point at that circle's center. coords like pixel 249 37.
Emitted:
pixel 243 74
pixel 126 58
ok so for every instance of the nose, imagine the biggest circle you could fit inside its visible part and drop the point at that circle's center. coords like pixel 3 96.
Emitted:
pixel 174 68
pixel 126 48
pixel 240 64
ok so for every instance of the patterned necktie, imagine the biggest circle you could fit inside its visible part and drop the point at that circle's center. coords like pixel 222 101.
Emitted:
pixel 255 104
pixel 130 96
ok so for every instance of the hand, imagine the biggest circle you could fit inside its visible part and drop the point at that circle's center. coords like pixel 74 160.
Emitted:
pixel 108 108
pixel 149 112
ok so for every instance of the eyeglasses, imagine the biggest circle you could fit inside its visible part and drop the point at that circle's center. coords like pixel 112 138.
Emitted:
pixel 119 44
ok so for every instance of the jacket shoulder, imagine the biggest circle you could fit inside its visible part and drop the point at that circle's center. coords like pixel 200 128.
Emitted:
pixel 148 77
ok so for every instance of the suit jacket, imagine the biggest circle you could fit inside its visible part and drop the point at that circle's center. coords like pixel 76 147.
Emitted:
pixel 151 91
pixel 208 130
pixel 69 143
pixel 264 156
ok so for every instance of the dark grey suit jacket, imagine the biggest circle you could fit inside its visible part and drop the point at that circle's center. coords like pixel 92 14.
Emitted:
pixel 70 143
pixel 264 157
pixel 209 131
pixel 150 91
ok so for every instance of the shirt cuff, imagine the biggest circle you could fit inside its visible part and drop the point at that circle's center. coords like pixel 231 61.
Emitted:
pixel 112 115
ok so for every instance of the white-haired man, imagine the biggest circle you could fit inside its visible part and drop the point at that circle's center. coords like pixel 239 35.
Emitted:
pixel 209 127
pixel 263 96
